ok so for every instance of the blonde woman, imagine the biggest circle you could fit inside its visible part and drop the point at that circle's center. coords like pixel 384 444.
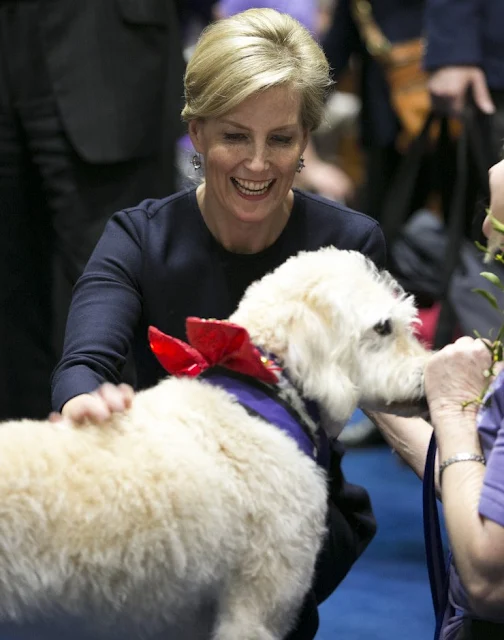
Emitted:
pixel 254 89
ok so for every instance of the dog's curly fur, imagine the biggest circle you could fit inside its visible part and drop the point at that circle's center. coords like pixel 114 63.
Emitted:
pixel 186 515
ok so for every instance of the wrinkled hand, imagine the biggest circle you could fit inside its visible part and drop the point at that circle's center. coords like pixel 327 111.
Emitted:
pixel 448 88
pixel 97 406
pixel 326 180
pixel 456 375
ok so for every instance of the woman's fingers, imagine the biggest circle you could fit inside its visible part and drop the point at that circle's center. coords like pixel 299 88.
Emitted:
pixel 457 375
pixel 128 394
pixel 111 396
pixel 99 405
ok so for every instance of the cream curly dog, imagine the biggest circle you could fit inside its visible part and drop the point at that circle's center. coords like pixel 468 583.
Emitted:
pixel 188 516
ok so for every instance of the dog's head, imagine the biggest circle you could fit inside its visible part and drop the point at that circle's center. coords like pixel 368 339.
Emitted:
pixel 343 330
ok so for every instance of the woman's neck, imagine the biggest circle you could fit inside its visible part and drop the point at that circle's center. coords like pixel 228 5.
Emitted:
pixel 244 237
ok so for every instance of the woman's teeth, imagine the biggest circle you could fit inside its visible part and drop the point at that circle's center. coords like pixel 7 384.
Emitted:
pixel 250 188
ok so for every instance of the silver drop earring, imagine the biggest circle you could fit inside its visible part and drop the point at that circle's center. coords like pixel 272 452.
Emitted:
pixel 196 161
pixel 301 164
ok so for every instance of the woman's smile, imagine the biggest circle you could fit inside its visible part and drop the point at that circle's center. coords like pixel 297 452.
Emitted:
pixel 252 190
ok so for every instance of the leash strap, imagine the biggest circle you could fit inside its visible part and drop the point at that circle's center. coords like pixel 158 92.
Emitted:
pixel 436 565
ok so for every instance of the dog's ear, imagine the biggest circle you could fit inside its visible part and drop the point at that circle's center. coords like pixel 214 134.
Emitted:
pixel 320 358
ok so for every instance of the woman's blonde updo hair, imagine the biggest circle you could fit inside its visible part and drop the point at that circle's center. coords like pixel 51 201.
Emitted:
pixel 248 53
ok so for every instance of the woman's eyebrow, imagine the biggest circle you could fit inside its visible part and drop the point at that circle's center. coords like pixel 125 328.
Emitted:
pixel 242 126
pixel 233 123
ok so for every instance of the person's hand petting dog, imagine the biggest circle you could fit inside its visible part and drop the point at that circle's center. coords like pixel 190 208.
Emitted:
pixel 97 406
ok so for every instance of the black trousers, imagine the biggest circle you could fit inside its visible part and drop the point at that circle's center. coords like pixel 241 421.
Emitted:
pixel 53 207
pixel 380 166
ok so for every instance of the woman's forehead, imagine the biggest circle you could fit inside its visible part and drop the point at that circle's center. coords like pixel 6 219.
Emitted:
pixel 280 105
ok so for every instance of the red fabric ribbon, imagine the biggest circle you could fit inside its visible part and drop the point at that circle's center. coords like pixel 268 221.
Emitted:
pixel 211 343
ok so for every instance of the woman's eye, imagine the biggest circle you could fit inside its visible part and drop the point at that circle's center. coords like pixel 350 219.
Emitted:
pixel 282 139
pixel 234 137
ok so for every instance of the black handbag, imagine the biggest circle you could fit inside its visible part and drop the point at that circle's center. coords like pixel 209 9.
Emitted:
pixel 433 257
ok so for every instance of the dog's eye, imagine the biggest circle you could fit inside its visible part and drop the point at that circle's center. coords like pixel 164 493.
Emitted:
pixel 383 328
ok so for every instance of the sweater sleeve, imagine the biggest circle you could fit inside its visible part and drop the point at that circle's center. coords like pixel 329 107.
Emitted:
pixel 105 309
pixel 491 504
pixel 453 33
pixel 374 247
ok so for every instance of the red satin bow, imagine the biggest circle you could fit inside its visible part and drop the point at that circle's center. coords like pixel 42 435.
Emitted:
pixel 211 343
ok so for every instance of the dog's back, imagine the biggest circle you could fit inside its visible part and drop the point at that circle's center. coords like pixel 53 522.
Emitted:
pixel 188 502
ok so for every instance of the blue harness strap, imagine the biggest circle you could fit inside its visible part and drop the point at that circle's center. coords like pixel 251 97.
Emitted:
pixel 436 564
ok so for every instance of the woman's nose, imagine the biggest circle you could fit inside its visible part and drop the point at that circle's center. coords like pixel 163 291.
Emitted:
pixel 258 160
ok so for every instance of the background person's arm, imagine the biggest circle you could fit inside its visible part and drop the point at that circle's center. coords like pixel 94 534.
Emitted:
pixel 408 437
pixel 477 542
pixel 454 55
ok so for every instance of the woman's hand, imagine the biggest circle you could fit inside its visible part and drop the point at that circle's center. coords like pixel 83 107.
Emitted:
pixel 456 375
pixel 97 406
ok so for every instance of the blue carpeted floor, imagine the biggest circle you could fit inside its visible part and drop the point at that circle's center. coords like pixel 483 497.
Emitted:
pixel 386 595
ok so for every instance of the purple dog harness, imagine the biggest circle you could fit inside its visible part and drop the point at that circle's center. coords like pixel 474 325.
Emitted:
pixel 265 401
pixel 222 353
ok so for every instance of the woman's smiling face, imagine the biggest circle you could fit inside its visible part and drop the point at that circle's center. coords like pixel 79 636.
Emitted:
pixel 251 155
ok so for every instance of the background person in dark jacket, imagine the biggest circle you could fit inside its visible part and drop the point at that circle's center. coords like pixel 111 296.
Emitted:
pixel 90 96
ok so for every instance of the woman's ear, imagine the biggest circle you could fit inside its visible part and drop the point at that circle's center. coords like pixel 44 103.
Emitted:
pixel 195 128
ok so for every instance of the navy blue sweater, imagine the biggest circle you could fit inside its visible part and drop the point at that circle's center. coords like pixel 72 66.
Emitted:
pixel 157 263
